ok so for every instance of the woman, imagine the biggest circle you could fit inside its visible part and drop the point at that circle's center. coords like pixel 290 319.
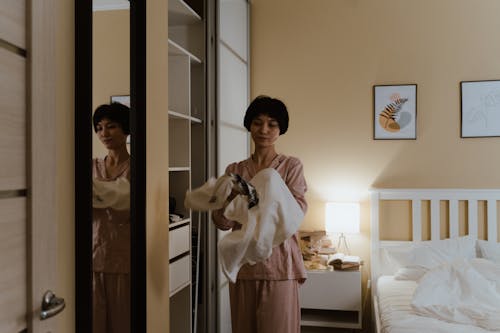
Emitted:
pixel 111 222
pixel 265 295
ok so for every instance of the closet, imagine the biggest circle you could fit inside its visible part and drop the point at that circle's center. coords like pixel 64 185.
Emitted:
pixel 187 155
pixel 208 87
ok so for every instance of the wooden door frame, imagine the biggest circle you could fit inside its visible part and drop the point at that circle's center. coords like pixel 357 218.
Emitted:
pixel 83 166
pixel 41 166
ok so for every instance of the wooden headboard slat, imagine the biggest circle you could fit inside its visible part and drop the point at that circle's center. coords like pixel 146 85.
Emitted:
pixel 472 217
pixel 435 219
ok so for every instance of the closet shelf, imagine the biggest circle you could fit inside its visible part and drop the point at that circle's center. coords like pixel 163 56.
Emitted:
pixel 175 224
pixel 176 49
pixel 172 169
pixel 179 13
pixel 179 288
pixel 184 116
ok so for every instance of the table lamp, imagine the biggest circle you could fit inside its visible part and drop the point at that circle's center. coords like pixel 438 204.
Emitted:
pixel 342 217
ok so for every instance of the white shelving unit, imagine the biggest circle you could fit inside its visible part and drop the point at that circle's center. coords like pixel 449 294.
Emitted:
pixel 186 110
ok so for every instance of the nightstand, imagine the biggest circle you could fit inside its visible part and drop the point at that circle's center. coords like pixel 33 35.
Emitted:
pixel 331 298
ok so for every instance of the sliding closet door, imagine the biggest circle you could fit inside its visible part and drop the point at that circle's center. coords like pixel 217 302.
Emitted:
pixel 232 99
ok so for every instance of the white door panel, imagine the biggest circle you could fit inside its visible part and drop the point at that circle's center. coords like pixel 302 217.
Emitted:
pixel 233 97
pixel 234 26
pixel 233 87
pixel 233 146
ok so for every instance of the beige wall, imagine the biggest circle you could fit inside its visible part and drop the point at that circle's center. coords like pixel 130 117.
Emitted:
pixel 111 61
pixel 65 101
pixel 322 58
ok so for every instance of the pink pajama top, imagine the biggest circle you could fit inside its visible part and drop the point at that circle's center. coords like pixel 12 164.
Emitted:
pixel 285 262
pixel 110 229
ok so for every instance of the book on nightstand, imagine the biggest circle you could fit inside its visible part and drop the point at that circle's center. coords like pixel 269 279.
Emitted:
pixel 342 262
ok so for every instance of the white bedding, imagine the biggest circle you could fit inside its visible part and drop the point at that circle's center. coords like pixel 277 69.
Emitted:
pixel 464 292
pixel 397 315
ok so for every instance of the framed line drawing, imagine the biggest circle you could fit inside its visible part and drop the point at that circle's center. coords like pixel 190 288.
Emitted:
pixel 123 99
pixel 480 109
pixel 395 112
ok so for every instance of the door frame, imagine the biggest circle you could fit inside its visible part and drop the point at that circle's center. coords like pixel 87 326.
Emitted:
pixel 83 165
pixel 41 163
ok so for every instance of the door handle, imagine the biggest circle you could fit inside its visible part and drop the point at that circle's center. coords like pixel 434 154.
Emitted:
pixel 51 305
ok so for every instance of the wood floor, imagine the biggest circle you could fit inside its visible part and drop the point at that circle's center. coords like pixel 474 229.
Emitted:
pixel 306 329
pixel 328 330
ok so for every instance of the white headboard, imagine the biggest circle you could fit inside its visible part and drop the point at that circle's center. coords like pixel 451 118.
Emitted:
pixel 435 196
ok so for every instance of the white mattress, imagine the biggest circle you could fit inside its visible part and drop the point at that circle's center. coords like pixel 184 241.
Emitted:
pixel 396 315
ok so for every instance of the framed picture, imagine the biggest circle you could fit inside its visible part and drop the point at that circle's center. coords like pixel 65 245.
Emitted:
pixel 480 109
pixel 395 112
pixel 123 99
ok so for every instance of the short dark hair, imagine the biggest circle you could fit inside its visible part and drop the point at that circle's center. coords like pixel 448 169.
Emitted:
pixel 272 107
pixel 115 112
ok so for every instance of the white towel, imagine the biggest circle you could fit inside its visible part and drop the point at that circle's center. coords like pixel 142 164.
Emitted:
pixel 111 194
pixel 276 218
pixel 211 195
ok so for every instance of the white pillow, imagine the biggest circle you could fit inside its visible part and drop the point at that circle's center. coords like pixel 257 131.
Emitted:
pixel 410 273
pixel 415 260
pixel 433 253
pixel 489 250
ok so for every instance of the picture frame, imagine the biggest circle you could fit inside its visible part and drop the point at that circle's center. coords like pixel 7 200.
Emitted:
pixel 395 112
pixel 480 109
pixel 123 99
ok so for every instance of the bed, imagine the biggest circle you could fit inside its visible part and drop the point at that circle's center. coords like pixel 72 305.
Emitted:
pixel 446 278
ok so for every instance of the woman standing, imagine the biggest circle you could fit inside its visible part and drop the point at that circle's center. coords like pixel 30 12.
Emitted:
pixel 264 298
pixel 111 222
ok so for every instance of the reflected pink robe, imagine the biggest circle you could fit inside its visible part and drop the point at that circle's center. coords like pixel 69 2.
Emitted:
pixel 110 229
pixel 110 261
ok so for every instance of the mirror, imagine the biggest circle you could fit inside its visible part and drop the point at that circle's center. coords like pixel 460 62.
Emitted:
pixel 110 166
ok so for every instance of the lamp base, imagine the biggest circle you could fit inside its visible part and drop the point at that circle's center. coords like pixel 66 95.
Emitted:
pixel 342 246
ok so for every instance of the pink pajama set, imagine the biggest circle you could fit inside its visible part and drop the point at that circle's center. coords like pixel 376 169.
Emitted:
pixel 265 297
pixel 110 262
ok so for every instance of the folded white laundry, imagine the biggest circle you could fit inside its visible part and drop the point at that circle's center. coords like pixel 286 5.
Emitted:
pixel 275 218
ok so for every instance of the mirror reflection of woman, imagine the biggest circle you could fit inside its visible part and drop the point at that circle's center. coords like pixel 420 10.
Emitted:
pixel 265 298
pixel 111 222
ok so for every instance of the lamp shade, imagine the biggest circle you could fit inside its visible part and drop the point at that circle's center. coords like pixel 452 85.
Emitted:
pixel 342 217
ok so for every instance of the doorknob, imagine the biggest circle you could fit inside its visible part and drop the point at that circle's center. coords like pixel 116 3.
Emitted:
pixel 51 305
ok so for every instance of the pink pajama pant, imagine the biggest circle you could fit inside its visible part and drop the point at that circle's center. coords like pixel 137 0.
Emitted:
pixel 111 303
pixel 262 306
